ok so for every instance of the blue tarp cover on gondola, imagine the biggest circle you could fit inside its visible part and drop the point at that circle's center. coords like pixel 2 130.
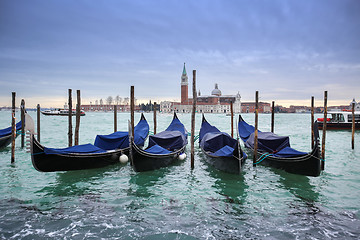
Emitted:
pixel 7 131
pixel 289 152
pixel 176 125
pixel 170 140
pixel 245 130
pixel 268 141
pixel 79 149
pixel 206 128
pixel 225 151
pixel 213 141
pixel 156 149
pixel 120 140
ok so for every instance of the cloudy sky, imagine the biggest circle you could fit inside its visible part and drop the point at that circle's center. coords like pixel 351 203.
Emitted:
pixel 287 50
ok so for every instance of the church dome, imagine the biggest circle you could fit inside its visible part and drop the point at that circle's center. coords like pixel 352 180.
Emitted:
pixel 216 91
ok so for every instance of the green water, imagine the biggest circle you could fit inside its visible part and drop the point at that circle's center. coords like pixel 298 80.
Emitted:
pixel 176 202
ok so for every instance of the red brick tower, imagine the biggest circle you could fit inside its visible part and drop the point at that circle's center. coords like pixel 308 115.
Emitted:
pixel 184 87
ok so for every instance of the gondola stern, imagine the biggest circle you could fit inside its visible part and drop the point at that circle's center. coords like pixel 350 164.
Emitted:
pixel 203 118
pixel 36 149
pixel 240 118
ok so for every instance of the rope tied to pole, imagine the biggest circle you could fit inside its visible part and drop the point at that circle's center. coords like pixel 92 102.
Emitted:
pixel 19 132
pixel 262 158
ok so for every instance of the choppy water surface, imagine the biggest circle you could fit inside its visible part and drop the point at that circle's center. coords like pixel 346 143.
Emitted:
pixel 176 202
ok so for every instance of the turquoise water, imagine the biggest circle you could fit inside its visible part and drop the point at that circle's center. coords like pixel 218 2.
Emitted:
pixel 176 202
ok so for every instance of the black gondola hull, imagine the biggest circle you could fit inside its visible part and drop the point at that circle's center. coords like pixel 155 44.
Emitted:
pixel 308 165
pixel 143 161
pixel 5 141
pixel 67 162
pixel 226 164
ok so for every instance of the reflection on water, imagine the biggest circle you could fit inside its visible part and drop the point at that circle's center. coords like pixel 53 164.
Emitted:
pixel 76 183
pixel 141 184
pixel 231 189
pixel 299 186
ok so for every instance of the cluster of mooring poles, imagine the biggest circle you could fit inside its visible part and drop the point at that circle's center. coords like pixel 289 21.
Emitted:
pixel 312 126
pixel 14 131
pixel 77 121
pixel 132 109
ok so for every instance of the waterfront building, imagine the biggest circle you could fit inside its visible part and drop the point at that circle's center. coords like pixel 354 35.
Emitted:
pixel 214 103
pixel 107 108
pixel 249 107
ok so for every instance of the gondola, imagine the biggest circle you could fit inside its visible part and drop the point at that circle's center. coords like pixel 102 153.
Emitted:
pixel 163 149
pixel 275 151
pixel 221 150
pixel 5 135
pixel 107 150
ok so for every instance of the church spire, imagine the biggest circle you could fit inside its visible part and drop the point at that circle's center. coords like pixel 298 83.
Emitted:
pixel 184 70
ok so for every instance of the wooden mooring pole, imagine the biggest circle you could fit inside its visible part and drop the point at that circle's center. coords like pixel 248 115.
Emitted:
pixel 13 128
pixel 115 118
pixel 272 116
pixel 22 109
pixel 324 132
pixel 232 119
pixel 193 121
pixel 154 117
pixel 312 123
pixel 256 127
pixel 353 126
pixel 70 133
pixel 38 122
pixel 132 109
pixel 77 123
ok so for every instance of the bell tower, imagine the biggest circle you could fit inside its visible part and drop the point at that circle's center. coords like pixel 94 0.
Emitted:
pixel 184 87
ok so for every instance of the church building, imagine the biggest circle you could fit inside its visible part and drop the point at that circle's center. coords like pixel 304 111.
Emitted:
pixel 214 103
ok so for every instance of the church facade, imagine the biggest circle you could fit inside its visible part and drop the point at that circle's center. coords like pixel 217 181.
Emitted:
pixel 214 103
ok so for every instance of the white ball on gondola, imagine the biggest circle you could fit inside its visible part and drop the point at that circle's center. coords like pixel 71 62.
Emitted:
pixel 182 156
pixel 123 159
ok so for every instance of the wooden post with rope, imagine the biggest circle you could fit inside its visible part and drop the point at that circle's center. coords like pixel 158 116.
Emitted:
pixel 193 121
pixel 154 117
pixel 13 128
pixel 70 133
pixel 272 116
pixel 324 132
pixel 22 109
pixel 77 126
pixel 38 121
pixel 256 127
pixel 353 126
pixel 232 119
pixel 312 123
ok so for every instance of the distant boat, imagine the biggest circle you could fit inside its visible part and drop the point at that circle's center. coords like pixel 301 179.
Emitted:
pixel 164 148
pixel 340 120
pixel 61 112
pixel 275 151
pixel 5 135
pixel 221 150
pixel 107 150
